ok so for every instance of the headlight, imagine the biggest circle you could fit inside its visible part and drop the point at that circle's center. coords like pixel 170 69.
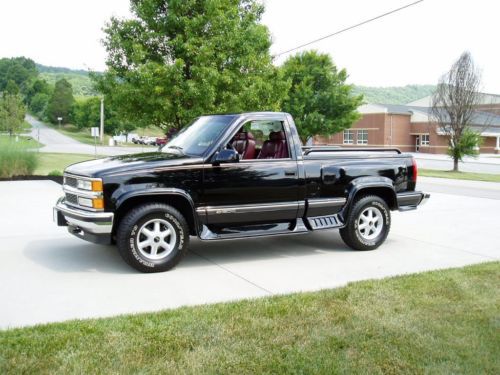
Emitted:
pixel 87 202
pixel 94 185
pixel 96 203
pixel 84 184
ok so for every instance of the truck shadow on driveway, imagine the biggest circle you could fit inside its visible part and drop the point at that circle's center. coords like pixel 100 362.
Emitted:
pixel 73 255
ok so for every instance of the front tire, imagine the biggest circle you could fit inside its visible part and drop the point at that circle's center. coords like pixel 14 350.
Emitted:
pixel 368 223
pixel 153 237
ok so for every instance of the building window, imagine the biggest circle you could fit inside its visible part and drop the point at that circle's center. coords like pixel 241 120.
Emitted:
pixel 424 140
pixel 348 137
pixel 362 137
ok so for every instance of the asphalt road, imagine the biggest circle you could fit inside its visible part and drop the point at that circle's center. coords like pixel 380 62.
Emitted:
pixel 481 164
pixel 56 142
pixel 47 275
pixel 463 188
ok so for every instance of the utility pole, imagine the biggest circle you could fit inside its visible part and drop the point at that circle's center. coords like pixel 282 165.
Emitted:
pixel 38 135
pixel 101 133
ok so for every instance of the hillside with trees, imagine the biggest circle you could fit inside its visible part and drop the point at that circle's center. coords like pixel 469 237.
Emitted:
pixel 35 83
pixel 82 86
pixel 79 79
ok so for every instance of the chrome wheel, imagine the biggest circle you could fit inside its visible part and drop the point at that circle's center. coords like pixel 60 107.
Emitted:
pixel 156 239
pixel 370 223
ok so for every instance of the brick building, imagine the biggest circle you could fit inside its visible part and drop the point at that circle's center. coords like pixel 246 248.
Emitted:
pixel 411 129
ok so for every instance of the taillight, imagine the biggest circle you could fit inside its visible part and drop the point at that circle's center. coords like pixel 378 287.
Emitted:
pixel 414 170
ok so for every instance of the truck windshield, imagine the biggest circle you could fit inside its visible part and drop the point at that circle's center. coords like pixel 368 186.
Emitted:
pixel 198 137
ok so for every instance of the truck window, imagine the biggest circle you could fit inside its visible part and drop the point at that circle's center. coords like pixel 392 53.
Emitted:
pixel 261 139
pixel 196 138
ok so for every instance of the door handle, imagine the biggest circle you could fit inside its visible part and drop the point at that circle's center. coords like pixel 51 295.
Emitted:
pixel 290 172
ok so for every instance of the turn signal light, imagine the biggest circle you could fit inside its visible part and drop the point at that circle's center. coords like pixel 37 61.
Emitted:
pixel 98 203
pixel 97 185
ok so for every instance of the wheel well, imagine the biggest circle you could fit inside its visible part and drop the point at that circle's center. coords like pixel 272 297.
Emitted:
pixel 177 201
pixel 386 193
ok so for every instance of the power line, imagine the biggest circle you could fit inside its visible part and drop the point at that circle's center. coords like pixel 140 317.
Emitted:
pixel 349 28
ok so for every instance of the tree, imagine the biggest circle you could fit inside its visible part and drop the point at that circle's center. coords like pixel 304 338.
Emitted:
pixel 319 98
pixel 12 112
pixel 87 112
pixel 453 106
pixel 61 102
pixel 34 87
pixel 17 69
pixel 11 88
pixel 39 103
pixel 176 60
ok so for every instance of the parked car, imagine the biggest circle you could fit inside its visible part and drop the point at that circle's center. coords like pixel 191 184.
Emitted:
pixel 138 139
pixel 149 141
pixel 161 141
pixel 235 176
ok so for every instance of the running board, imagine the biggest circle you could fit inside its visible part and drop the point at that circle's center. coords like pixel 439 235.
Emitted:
pixel 324 222
pixel 232 233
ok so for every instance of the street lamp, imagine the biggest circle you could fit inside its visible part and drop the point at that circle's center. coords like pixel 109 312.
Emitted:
pixel 59 119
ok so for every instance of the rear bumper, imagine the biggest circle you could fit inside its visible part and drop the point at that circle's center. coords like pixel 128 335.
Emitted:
pixel 411 200
pixel 90 226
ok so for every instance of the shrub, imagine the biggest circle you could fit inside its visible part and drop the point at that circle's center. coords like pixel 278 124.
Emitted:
pixel 16 160
pixel 55 172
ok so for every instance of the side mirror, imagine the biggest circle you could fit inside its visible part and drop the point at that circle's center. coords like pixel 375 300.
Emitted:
pixel 226 156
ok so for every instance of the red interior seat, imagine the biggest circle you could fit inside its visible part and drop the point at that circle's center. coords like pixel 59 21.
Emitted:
pixel 275 147
pixel 244 144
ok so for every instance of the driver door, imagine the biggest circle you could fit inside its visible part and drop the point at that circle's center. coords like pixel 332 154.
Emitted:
pixel 256 190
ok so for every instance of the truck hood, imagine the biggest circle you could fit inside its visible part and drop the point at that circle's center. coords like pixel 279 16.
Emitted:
pixel 132 162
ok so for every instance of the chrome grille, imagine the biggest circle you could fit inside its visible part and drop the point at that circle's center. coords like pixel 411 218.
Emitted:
pixel 70 181
pixel 72 193
pixel 71 198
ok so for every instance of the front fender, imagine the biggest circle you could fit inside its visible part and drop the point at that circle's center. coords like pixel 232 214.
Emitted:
pixel 163 192
pixel 152 191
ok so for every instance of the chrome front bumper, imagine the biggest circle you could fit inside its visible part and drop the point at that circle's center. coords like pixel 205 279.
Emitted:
pixel 87 225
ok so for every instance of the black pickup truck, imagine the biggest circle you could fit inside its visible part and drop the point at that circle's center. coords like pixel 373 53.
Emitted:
pixel 234 176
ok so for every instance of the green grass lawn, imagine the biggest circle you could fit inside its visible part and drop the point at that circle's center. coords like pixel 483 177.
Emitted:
pixel 49 163
pixel 460 175
pixel 81 135
pixel 437 322
pixel 24 142
pixel 26 127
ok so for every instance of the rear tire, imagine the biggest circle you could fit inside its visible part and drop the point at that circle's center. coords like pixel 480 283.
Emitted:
pixel 153 237
pixel 368 223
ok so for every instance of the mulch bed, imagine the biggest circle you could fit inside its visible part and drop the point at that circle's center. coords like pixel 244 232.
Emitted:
pixel 58 179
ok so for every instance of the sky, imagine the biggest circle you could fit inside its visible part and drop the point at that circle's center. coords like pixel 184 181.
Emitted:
pixel 414 46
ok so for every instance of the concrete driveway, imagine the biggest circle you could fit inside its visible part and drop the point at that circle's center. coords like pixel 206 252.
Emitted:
pixel 47 275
